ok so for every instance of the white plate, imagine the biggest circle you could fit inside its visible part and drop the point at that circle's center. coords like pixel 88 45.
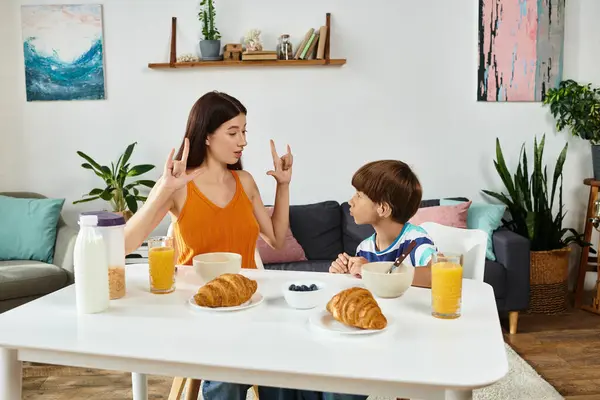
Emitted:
pixel 255 300
pixel 325 321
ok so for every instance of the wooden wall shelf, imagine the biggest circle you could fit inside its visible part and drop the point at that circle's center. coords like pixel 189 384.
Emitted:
pixel 248 63
pixel 262 63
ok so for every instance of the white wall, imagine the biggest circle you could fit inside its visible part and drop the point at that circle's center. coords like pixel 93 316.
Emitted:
pixel 407 91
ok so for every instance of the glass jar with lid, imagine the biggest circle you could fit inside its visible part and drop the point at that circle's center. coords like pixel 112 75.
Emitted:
pixel 284 48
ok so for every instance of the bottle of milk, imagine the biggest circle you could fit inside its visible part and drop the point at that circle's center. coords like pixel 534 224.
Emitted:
pixel 91 268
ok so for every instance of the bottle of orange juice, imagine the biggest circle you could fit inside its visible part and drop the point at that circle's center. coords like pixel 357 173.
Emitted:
pixel 446 285
pixel 161 260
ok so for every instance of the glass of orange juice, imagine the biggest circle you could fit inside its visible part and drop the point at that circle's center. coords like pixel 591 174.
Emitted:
pixel 161 259
pixel 446 285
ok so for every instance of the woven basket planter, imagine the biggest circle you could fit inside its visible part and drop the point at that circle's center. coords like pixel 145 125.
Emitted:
pixel 548 278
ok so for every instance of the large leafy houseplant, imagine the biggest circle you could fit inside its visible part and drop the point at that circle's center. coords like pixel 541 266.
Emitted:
pixel 122 195
pixel 531 204
pixel 577 107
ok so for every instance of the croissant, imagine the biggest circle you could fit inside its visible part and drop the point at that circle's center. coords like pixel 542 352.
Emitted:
pixel 357 307
pixel 226 290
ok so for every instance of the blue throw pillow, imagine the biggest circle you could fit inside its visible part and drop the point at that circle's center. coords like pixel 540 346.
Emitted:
pixel 484 216
pixel 28 228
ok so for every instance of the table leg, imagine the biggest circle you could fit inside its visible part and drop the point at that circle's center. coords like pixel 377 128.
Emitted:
pixel 11 380
pixel 139 385
pixel 458 395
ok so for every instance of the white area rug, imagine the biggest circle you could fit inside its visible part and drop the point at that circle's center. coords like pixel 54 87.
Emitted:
pixel 521 383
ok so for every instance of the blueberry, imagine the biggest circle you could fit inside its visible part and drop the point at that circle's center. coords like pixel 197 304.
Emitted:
pixel 292 287
pixel 304 288
pixel 313 287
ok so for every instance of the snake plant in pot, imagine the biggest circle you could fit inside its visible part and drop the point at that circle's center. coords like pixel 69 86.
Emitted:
pixel 577 107
pixel 123 196
pixel 210 46
pixel 536 214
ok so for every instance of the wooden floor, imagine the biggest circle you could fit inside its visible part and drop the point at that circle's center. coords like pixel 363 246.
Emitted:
pixel 564 349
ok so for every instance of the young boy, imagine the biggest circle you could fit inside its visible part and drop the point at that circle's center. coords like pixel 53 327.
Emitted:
pixel 388 194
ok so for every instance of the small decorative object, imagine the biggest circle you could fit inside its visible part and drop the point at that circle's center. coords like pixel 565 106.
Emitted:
pixel 534 216
pixel 187 57
pixel 210 46
pixel 520 49
pixel 122 196
pixel 63 52
pixel 284 48
pixel 232 52
pixel 576 107
pixel 252 40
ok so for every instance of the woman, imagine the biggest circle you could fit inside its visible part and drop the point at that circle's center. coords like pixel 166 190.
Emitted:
pixel 213 203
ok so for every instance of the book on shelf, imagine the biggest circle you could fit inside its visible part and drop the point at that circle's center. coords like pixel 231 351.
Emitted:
pixel 259 55
pixel 313 44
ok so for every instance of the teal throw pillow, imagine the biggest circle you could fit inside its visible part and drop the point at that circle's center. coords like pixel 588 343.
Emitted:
pixel 484 216
pixel 28 228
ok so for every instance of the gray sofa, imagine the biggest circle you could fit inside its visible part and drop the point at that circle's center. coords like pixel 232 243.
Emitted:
pixel 25 280
pixel 326 229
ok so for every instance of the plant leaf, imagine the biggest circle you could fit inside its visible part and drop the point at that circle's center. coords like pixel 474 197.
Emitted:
pixel 140 169
pixel 131 203
pixel 86 200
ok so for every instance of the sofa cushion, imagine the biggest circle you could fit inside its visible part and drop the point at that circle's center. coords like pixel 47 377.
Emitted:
pixel 310 265
pixel 317 227
pixel 28 228
pixel 455 215
pixel 486 217
pixel 495 275
pixel 292 251
pixel 19 278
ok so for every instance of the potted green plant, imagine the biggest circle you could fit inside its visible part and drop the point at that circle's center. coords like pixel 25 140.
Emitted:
pixel 531 206
pixel 577 107
pixel 210 45
pixel 123 196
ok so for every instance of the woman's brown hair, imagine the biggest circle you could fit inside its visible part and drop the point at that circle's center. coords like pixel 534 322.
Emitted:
pixel 208 113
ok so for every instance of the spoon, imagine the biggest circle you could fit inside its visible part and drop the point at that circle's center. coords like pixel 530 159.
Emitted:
pixel 402 256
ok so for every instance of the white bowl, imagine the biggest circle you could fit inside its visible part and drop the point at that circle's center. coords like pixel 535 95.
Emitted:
pixel 304 300
pixel 386 285
pixel 210 265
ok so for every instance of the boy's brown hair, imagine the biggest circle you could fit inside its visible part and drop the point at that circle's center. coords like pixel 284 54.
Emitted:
pixel 391 182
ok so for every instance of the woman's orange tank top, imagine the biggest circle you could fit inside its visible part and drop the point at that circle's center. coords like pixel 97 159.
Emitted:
pixel 203 227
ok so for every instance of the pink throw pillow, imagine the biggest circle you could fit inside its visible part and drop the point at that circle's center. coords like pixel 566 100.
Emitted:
pixel 455 215
pixel 291 252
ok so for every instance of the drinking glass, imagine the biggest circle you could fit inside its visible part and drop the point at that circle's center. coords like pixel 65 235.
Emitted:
pixel 446 285
pixel 161 258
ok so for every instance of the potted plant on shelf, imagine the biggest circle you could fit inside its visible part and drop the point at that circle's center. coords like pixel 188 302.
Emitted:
pixel 210 45
pixel 531 206
pixel 577 107
pixel 122 196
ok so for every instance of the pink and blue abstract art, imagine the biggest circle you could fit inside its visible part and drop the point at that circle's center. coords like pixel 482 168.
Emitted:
pixel 520 49
pixel 63 52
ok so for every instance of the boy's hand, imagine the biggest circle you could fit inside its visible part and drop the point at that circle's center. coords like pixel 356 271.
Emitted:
pixel 340 265
pixel 355 265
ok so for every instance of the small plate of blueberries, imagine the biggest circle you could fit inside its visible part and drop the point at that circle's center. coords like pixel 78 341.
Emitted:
pixel 303 295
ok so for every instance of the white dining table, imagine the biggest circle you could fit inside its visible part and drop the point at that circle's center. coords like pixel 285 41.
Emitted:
pixel 417 356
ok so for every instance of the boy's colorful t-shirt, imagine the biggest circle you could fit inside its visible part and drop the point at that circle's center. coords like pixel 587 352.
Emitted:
pixel 419 256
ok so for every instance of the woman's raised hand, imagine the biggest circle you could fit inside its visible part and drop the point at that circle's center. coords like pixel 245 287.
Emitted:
pixel 282 165
pixel 175 174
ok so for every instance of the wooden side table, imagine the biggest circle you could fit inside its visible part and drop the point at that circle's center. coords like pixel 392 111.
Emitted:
pixel 585 251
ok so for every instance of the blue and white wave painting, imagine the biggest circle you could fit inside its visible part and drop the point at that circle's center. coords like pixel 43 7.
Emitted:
pixel 63 52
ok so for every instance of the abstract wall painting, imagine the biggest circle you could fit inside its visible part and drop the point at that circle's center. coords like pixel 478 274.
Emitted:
pixel 520 49
pixel 63 52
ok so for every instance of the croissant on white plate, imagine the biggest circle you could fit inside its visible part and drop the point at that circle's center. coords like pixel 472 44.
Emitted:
pixel 227 290
pixel 358 308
